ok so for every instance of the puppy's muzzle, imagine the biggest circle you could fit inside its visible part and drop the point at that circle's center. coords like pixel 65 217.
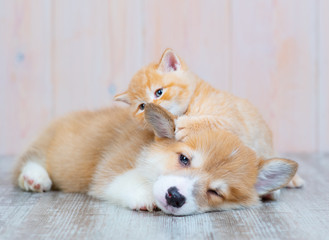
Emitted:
pixel 174 198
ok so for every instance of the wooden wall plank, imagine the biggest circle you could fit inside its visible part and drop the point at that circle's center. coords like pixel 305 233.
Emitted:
pixel 126 34
pixel 59 56
pixel 274 65
pixel 198 32
pixel 97 49
pixel 25 85
pixel 81 62
pixel 323 84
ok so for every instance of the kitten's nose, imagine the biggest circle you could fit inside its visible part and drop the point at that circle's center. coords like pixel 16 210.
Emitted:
pixel 174 198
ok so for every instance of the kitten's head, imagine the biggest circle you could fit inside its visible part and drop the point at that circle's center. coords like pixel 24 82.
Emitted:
pixel 168 84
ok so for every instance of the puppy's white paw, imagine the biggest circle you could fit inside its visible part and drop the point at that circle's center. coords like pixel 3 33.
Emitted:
pixel 143 206
pixel 139 198
pixel 296 182
pixel 34 178
pixel 131 190
pixel 148 208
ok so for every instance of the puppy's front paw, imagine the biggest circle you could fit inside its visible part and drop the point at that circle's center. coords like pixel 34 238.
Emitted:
pixel 34 178
pixel 149 208
pixel 296 182
pixel 130 190
pixel 141 200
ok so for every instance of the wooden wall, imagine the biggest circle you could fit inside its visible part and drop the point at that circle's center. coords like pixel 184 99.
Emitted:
pixel 63 55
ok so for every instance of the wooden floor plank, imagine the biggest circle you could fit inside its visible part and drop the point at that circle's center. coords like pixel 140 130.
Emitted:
pixel 299 214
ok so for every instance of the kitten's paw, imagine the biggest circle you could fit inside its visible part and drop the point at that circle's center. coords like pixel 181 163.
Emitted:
pixel 296 182
pixel 181 134
pixel 34 178
pixel 182 128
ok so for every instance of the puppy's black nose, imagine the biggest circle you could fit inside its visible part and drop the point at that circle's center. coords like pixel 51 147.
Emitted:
pixel 174 198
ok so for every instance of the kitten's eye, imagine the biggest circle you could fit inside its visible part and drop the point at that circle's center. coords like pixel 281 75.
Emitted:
pixel 141 106
pixel 214 193
pixel 184 161
pixel 158 92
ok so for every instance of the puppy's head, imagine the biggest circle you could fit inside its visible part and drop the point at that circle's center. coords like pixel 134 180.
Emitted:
pixel 211 170
pixel 167 84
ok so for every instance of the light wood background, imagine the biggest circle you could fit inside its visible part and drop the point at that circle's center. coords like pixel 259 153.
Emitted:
pixel 64 55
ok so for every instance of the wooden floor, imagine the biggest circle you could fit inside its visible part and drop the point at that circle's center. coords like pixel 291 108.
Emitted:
pixel 299 214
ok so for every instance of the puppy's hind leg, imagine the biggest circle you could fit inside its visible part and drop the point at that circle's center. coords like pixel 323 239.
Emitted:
pixel 34 177
pixel 30 173
pixel 296 182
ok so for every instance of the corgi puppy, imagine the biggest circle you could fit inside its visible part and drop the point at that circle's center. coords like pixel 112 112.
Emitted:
pixel 107 155
pixel 198 105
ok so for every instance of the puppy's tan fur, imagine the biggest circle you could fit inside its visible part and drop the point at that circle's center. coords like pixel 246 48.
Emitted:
pixel 71 148
pixel 108 155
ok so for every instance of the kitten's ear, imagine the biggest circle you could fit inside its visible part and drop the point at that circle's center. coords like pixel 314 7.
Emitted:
pixel 169 62
pixel 274 174
pixel 161 120
pixel 123 97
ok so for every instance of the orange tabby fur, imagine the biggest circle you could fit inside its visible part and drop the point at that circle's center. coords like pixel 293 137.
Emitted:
pixel 198 105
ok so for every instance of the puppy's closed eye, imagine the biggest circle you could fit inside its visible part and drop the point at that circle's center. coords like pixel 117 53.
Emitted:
pixel 215 193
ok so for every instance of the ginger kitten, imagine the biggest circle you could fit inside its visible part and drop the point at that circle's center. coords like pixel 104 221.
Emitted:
pixel 198 105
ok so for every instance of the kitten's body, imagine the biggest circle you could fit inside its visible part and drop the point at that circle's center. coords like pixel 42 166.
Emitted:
pixel 212 108
pixel 198 105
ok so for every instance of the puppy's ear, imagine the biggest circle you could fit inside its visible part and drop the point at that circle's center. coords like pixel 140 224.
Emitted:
pixel 274 174
pixel 161 120
pixel 123 97
pixel 169 62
